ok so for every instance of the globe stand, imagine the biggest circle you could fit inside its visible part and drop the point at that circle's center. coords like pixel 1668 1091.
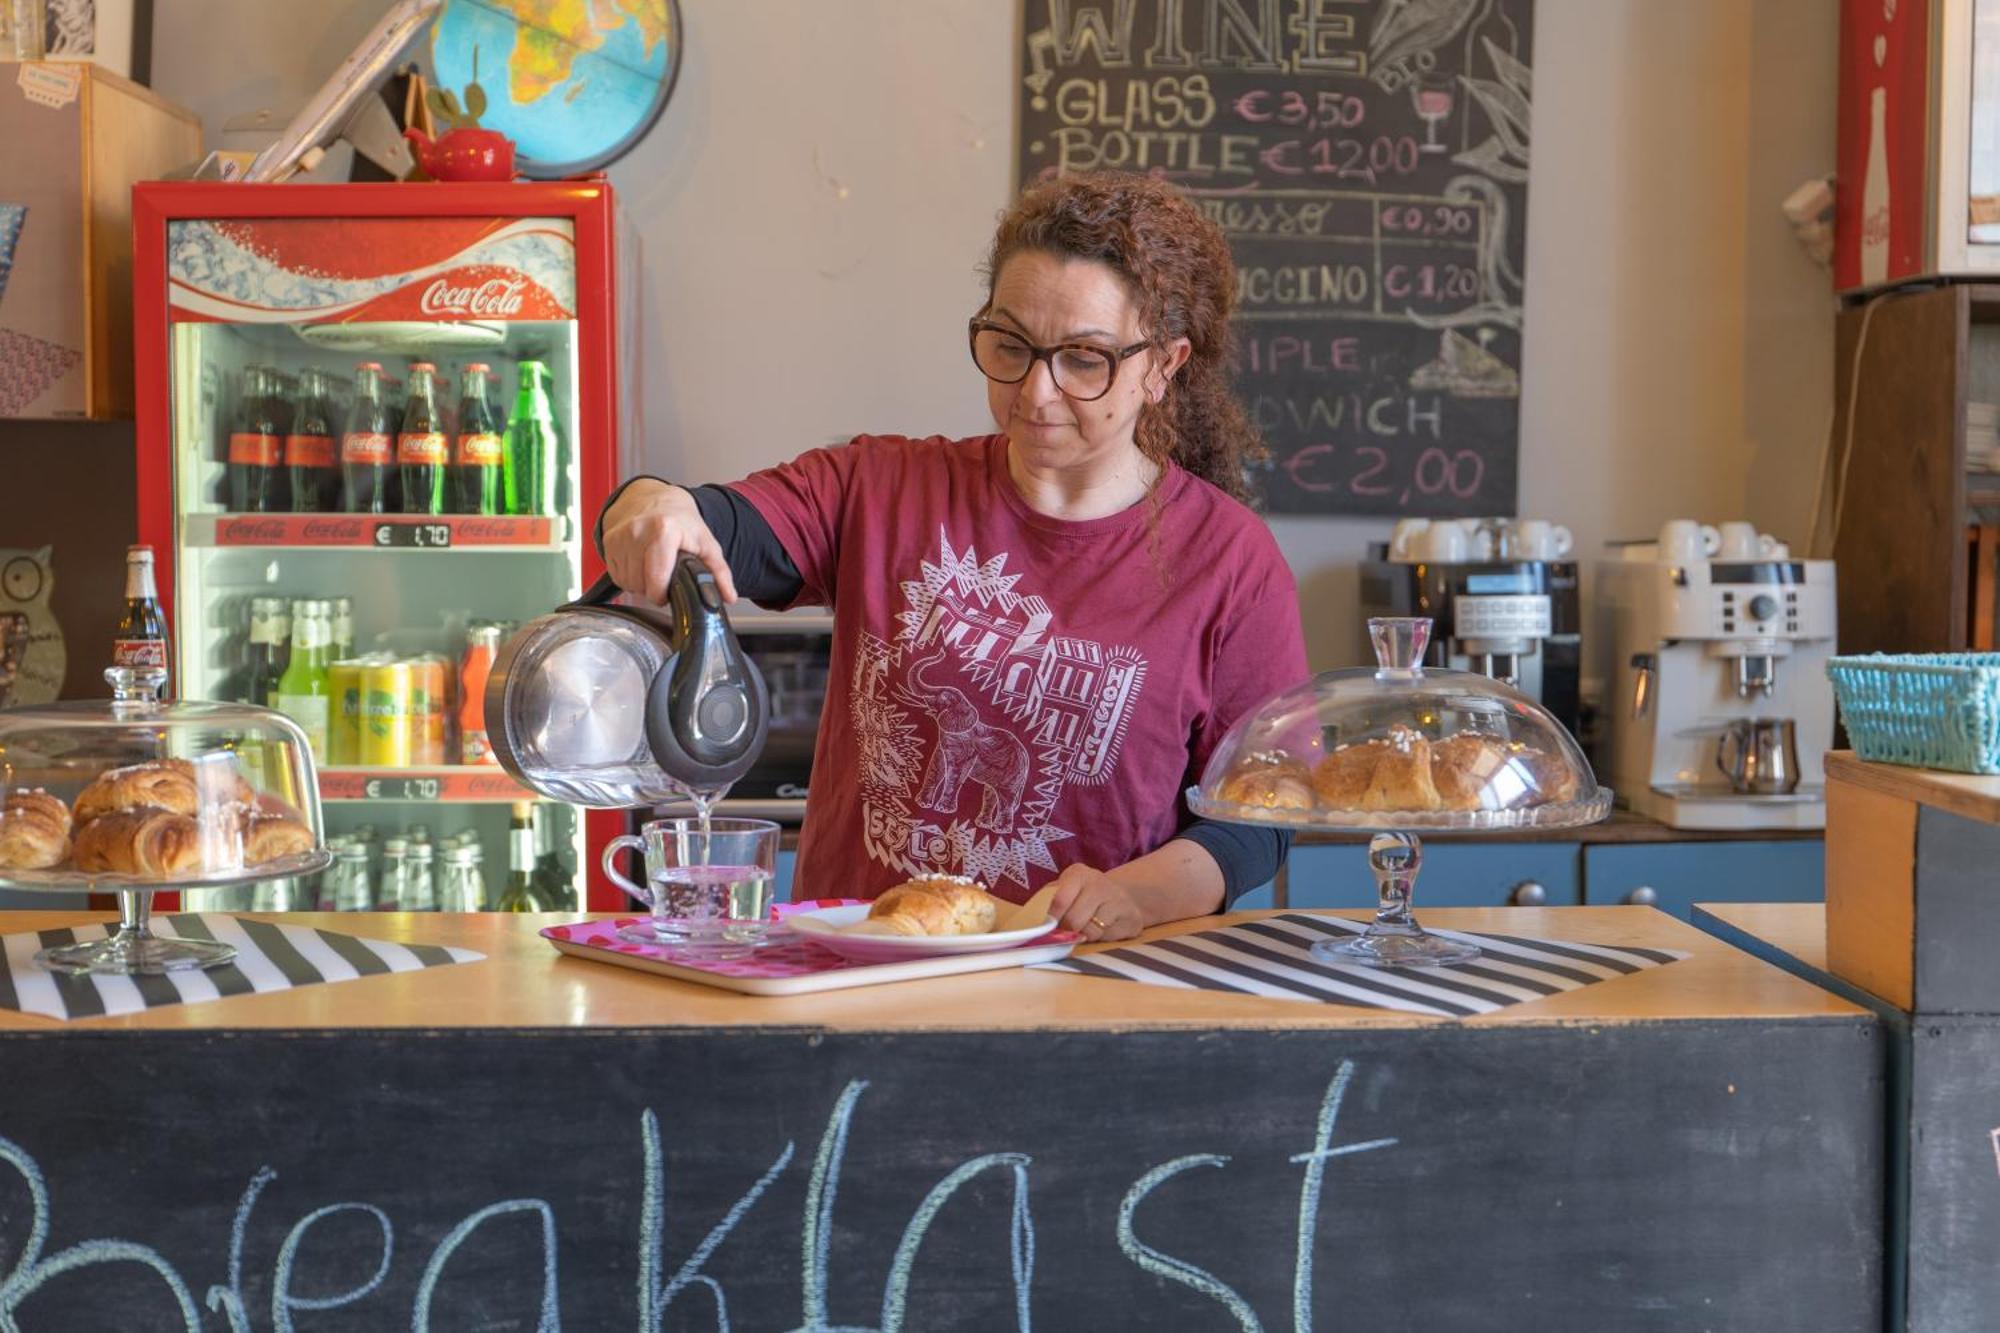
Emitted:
pixel 133 949
pixel 1395 939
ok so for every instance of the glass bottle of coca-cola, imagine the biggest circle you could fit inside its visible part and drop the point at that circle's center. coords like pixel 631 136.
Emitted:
pixel 141 638
pixel 422 457
pixel 366 446
pixel 256 471
pixel 309 451
pixel 479 463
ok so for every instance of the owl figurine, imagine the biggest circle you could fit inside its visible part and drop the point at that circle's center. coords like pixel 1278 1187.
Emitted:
pixel 32 660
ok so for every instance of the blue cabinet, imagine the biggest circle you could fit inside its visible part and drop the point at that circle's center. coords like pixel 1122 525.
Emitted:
pixel 1682 873
pixel 1455 874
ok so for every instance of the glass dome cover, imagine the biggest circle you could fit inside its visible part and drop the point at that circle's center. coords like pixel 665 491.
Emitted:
pixel 100 795
pixel 1400 746
pixel 130 795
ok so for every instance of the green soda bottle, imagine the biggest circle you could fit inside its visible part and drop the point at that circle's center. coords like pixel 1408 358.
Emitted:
pixel 302 693
pixel 531 443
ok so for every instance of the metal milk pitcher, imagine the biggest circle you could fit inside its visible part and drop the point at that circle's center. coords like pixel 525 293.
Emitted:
pixel 1759 755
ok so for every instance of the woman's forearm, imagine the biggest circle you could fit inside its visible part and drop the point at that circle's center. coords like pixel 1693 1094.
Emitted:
pixel 1177 881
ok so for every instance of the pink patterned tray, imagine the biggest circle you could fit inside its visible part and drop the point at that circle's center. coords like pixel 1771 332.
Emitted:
pixel 793 965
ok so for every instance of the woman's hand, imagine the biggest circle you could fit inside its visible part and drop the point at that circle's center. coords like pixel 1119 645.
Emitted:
pixel 646 533
pixel 1172 883
pixel 1096 906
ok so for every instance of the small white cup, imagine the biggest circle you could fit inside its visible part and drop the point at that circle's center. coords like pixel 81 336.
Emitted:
pixel 1539 539
pixel 1742 541
pixel 1446 541
pixel 1406 539
pixel 1686 542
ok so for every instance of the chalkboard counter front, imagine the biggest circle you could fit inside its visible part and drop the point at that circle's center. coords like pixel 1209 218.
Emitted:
pixel 536 1141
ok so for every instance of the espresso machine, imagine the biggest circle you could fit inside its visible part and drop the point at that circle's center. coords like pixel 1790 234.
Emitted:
pixel 1712 643
pixel 1501 594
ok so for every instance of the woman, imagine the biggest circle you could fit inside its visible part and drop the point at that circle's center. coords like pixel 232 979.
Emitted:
pixel 1039 635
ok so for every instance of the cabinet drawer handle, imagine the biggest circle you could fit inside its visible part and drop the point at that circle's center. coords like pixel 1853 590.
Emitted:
pixel 1528 894
pixel 1643 896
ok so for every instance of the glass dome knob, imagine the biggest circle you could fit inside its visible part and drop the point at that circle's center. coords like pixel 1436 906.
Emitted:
pixel 1400 642
pixel 135 685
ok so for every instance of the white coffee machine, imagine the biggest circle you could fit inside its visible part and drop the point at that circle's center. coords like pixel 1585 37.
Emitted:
pixel 1712 644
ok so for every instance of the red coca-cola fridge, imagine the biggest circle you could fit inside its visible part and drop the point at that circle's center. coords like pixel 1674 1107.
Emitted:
pixel 375 424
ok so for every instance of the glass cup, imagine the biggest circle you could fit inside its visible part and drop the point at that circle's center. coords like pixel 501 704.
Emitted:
pixel 708 883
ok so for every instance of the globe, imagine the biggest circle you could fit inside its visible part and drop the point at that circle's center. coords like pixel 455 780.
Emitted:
pixel 574 85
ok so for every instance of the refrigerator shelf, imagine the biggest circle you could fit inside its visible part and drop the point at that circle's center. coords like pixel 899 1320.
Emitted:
pixel 449 784
pixel 371 532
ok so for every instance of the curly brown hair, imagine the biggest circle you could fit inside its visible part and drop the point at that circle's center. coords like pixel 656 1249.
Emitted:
pixel 1177 265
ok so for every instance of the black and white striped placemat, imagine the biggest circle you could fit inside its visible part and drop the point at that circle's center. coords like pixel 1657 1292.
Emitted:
pixel 1270 957
pixel 269 957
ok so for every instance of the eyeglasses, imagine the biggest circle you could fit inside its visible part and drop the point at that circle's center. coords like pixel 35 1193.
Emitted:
pixel 1081 371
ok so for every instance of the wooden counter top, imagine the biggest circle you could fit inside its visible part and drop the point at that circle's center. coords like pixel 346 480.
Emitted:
pixel 1796 929
pixel 526 984
pixel 1969 794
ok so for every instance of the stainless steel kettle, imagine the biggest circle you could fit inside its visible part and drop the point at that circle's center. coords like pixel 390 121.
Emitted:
pixel 612 706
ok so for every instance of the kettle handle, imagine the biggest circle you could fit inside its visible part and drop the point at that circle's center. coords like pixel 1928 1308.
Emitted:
pixel 689 573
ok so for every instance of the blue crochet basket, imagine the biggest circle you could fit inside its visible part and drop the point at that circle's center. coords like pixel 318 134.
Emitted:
pixel 1928 710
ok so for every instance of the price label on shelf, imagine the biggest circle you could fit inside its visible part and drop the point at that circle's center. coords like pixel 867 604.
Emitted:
pixel 436 535
pixel 402 789
pixel 462 784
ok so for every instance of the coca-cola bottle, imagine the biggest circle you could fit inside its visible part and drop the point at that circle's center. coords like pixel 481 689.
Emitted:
pixel 141 638
pixel 479 463
pixel 309 451
pixel 256 472
pixel 366 445
pixel 422 456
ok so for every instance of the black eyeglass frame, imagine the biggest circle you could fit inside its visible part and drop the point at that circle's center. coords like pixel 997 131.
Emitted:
pixel 1115 356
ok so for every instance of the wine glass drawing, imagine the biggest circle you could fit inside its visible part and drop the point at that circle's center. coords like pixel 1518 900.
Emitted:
pixel 1433 100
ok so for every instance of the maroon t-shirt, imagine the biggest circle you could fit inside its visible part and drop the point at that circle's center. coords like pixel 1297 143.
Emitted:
pixel 1011 693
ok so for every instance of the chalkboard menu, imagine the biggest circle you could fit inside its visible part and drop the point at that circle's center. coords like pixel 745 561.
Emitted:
pixel 1368 160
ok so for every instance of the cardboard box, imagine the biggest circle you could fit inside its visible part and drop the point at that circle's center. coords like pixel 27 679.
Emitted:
pixel 73 140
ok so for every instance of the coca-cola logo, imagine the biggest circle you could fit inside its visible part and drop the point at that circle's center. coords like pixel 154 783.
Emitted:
pixel 334 530
pixel 489 529
pixel 253 530
pixel 495 296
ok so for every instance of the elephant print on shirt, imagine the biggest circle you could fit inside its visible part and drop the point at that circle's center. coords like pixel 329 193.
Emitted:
pixel 975 690
pixel 968 747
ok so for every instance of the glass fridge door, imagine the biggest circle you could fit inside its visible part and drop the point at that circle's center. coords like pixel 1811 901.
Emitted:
pixel 375 479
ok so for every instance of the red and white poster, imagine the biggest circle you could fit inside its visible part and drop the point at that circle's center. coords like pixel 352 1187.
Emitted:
pixel 1883 164
pixel 313 270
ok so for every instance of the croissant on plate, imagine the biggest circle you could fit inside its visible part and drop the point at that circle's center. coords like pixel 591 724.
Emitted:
pixel 34 830
pixel 164 784
pixel 1390 773
pixel 268 838
pixel 934 905
pixel 1269 781
pixel 142 842
pixel 1463 771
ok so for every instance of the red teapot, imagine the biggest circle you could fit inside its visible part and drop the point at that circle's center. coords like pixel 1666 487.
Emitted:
pixel 464 155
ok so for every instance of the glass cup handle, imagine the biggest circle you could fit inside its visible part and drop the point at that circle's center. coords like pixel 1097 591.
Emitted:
pixel 611 850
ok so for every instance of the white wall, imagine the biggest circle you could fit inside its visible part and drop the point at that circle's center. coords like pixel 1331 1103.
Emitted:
pixel 815 200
